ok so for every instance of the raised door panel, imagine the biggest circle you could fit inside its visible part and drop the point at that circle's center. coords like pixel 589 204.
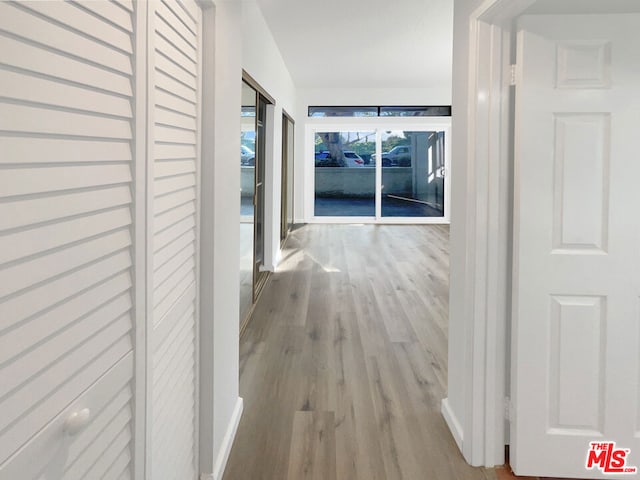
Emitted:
pixel 576 334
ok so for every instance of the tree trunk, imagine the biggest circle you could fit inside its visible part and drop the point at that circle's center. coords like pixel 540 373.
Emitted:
pixel 333 141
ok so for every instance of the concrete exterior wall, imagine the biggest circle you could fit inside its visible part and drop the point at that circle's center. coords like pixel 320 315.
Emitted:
pixel 247 181
pixel 361 182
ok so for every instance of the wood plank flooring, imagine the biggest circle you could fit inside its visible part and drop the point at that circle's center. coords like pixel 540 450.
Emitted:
pixel 343 364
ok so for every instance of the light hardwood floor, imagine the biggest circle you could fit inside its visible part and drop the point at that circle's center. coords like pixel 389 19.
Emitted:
pixel 343 364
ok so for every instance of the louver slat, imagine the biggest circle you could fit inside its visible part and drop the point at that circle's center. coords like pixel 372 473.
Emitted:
pixel 66 222
pixel 175 223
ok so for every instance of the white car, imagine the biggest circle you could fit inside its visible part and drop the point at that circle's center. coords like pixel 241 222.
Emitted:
pixel 352 159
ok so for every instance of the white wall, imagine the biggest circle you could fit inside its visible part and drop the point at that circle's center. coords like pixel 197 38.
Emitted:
pixel 240 40
pixel 262 60
pixel 220 256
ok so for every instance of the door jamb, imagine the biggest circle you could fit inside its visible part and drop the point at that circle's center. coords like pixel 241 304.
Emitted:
pixel 489 200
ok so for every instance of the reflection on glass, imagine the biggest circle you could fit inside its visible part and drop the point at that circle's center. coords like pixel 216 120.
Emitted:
pixel 343 111
pixel 247 183
pixel 382 111
pixel 258 253
pixel 422 111
pixel 345 180
pixel 286 213
pixel 290 137
pixel 412 174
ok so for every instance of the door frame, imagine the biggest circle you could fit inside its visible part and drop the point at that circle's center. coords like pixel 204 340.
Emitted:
pixel 262 128
pixel 482 433
pixel 286 161
pixel 482 429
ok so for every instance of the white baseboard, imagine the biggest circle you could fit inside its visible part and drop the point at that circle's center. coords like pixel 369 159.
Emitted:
pixel 452 422
pixel 227 443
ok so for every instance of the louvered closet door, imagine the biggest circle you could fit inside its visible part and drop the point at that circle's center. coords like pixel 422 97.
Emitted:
pixel 175 90
pixel 66 258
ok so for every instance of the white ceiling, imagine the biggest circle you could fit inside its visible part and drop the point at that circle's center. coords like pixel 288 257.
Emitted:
pixel 584 6
pixel 364 43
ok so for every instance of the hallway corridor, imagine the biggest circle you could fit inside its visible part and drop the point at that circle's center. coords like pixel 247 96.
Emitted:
pixel 343 365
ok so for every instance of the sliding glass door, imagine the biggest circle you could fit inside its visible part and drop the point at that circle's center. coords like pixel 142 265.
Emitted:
pixel 381 174
pixel 345 180
pixel 252 172
pixel 413 174
pixel 248 149
pixel 286 205
pixel 259 273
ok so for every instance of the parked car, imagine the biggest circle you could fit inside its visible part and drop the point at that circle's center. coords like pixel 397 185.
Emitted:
pixel 398 156
pixel 247 156
pixel 385 160
pixel 352 159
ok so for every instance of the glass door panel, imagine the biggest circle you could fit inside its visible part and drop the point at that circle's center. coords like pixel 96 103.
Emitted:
pixel 412 174
pixel 345 177
pixel 259 274
pixel 247 190
pixel 290 173
pixel 286 201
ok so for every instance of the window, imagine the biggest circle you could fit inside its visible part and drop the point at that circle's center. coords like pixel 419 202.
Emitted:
pixel 381 111
pixel 444 111
pixel 343 111
pixel 380 173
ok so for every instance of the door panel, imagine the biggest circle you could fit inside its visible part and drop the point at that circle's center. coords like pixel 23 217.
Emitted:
pixel 286 206
pixel 344 185
pixel 576 282
pixel 174 279
pixel 413 174
pixel 248 160
pixel 259 274
pixel 66 241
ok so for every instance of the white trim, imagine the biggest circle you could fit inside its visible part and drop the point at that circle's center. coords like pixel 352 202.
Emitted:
pixel 227 441
pixel 378 198
pixel 206 241
pixel 383 221
pixel 452 422
pixel 500 12
pixel 271 215
pixel 149 285
pixel 198 216
pixel 141 357
pixel 488 238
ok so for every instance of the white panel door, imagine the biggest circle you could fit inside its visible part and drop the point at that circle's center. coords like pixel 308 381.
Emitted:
pixel 576 332
pixel 175 132
pixel 66 245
